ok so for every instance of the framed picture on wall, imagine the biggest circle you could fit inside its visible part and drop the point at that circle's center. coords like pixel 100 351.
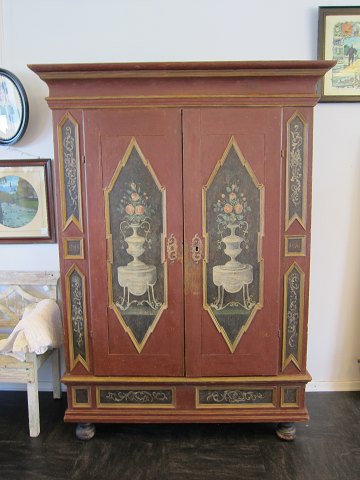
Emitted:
pixel 339 39
pixel 26 202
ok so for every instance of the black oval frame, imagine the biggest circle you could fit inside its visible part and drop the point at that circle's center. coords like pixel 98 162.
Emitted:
pixel 25 108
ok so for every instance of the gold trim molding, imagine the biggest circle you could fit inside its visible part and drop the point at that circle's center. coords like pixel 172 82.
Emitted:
pixel 260 380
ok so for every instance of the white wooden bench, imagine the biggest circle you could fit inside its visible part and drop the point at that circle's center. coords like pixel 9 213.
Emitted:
pixel 17 291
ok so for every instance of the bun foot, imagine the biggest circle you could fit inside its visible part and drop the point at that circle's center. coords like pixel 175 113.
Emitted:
pixel 85 431
pixel 286 431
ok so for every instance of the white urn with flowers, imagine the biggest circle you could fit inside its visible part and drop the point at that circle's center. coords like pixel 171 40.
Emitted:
pixel 136 278
pixel 232 211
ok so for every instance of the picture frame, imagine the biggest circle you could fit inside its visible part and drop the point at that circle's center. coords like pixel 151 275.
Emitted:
pixel 339 39
pixel 14 108
pixel 26 202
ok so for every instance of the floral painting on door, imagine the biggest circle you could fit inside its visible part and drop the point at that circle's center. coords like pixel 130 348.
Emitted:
pixel 233 201
pixel 134 202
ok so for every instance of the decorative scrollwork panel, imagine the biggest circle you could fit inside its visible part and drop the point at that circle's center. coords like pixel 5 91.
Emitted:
pixel 135 397
pixel 77 318
pixel 296 171
pixel 234 397
pixel 70 176
pixel 293 315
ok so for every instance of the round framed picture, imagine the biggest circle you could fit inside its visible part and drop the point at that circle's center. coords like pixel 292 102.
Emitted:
pixel 14 108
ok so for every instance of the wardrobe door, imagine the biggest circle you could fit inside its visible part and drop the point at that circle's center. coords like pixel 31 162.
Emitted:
pixel 134 215
pixel 232 194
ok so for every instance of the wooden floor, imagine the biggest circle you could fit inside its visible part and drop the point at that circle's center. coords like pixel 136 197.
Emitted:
pixel 327 448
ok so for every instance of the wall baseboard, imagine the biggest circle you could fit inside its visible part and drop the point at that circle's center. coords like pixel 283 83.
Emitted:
pixel 336 386
pixel 20 387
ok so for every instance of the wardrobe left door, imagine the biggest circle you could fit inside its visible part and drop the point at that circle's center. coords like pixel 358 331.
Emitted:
pixel 133 165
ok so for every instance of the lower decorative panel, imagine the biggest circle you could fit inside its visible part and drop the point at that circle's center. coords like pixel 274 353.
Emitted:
pixel 110 397
pixel 234 397
pixel 186 400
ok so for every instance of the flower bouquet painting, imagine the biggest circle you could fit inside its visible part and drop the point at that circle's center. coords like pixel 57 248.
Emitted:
pixel 135 206
pixel 232 211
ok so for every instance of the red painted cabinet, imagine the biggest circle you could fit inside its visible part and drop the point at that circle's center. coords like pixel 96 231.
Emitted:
pixel 183 199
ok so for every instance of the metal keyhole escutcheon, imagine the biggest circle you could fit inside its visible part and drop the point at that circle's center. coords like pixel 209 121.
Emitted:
pixel 196 248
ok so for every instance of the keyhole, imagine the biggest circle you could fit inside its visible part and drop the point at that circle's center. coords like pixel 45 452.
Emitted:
pixel 197 249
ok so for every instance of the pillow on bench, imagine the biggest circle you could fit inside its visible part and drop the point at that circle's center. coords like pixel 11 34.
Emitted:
pixel 38 330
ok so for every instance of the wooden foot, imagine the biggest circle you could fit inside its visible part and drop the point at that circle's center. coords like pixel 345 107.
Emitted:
pixel 286 431
pixel 85 431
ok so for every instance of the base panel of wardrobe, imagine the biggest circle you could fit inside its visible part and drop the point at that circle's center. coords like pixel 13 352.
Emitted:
pixel 105 400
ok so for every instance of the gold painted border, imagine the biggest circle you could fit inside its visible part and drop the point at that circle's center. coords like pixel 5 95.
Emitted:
pixel 261 188
pixel 283 404
pixel 72 219
pixel 245 405
pixel 73 396
pixel 79 359
pixel 133 144
pixel 302 252
pixel 67 256
pixel 286 360
pixel 129 405
pixel 260 380
pixel 302 220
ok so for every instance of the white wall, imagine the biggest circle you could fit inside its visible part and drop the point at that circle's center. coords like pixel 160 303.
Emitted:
pixel 65 31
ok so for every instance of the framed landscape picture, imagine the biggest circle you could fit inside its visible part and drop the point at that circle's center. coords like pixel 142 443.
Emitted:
pixel 339 39
pixel 26 202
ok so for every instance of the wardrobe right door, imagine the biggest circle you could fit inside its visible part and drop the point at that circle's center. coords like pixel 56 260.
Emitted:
pixel 232 205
